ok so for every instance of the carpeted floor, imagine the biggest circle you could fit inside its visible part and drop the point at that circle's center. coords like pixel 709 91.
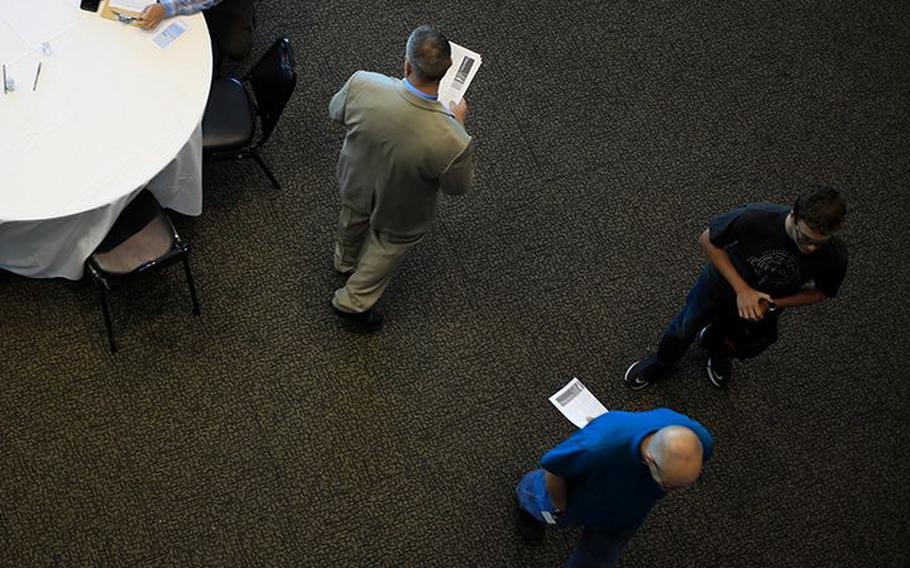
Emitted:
pixel 264 434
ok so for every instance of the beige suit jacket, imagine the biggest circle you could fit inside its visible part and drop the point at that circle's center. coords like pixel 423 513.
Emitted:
pixel 399 151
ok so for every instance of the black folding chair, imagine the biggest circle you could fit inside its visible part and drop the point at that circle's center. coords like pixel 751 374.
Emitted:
pixel 142 240
pixel 229 124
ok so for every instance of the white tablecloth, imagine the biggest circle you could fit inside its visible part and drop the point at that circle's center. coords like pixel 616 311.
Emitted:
pixel 112 112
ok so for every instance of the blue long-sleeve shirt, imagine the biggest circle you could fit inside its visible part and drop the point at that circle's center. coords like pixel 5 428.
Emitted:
pixel 185 7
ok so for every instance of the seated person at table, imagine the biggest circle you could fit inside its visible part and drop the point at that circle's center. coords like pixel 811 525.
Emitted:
pixel 155 13
pixel 230 22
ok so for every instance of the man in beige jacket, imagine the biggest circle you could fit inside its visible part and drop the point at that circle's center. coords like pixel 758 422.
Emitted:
pixel 401 148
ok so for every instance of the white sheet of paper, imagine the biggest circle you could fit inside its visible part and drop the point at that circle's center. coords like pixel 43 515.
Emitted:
pixel 577 403
pixel 171 32
pixel 12 47
pixel 38 21
pixel 130 5
pixel 457 79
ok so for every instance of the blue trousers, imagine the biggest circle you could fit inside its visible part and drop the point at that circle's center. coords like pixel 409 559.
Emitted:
pixel 595 549
pixel 711 298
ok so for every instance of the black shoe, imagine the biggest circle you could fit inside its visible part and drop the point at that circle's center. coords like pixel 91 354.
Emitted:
pixel 719 369
pixel 366 322
pixel 644 372
pixel 529 529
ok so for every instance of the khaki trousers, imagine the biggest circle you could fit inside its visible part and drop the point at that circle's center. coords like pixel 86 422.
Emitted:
pixel 371 256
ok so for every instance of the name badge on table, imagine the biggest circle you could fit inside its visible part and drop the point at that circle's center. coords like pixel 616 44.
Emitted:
pixel 166 37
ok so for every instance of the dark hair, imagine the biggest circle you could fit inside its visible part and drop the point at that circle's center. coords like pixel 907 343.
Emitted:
pixel 429 53
pixel 822 208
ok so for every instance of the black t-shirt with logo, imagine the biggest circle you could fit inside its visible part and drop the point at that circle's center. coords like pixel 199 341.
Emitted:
pixel 755 237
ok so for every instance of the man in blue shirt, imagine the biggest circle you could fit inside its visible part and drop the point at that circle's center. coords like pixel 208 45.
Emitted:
pixel 606 478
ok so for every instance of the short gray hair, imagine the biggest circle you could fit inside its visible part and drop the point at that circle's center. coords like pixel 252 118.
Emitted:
pixel 429 53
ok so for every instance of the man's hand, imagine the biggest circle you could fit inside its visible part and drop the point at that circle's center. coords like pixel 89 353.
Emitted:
pixel 460 110
pixel 752 304
pixel 151 16
pixel 557 490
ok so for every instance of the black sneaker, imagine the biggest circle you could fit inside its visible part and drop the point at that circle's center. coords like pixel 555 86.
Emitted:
pixel 644 372
pixel 529 529
pixel 719 369
pixel 365 322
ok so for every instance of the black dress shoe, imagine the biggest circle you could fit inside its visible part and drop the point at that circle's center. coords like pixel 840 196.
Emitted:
pixel 365 322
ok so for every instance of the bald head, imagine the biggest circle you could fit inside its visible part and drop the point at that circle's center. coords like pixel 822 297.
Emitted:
pixel 674 454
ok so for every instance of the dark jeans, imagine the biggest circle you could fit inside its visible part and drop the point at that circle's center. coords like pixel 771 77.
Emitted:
pixel 595 549
pixel 710 299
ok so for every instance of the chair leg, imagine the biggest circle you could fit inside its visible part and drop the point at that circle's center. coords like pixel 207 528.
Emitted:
pixel 107 319
pixel 266 170
pixel 191 284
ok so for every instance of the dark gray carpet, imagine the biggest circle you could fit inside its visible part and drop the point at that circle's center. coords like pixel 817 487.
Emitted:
pixel 263 434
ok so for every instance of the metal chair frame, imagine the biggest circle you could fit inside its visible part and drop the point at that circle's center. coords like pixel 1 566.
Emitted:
pixel 280 49
pixel 107 283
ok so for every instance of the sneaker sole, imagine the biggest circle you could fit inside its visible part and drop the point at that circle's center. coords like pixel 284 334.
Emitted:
pixel 715 379
pixel 639 384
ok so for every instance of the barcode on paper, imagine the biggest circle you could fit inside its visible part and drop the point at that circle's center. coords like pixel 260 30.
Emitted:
pixel 570 394
pixel 462 74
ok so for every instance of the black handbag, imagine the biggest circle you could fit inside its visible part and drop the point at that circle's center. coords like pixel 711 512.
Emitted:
pixel 741 338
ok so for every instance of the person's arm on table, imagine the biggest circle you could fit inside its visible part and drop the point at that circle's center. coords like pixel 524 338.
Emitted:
pixel 748 300
pixel 155 13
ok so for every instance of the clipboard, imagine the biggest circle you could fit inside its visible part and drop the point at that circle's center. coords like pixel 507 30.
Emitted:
pixel 107 12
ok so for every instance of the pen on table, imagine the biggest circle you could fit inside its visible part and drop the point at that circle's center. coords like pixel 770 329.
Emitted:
pixel 125 19
pixel 4 79
pixel 37 73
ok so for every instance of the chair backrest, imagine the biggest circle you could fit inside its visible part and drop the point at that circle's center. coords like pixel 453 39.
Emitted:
pixel 273 80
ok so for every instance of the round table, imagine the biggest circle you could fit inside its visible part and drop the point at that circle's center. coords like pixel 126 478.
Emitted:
pixel 111 111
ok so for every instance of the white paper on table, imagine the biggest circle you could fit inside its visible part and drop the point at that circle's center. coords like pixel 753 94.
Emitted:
pixel 166 37
pixel 577 403
pixel 129 5
pixel 457 79
pixel 12 47
pixel 39 21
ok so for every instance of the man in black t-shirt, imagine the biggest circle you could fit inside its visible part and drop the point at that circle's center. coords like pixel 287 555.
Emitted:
pixel 763 258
